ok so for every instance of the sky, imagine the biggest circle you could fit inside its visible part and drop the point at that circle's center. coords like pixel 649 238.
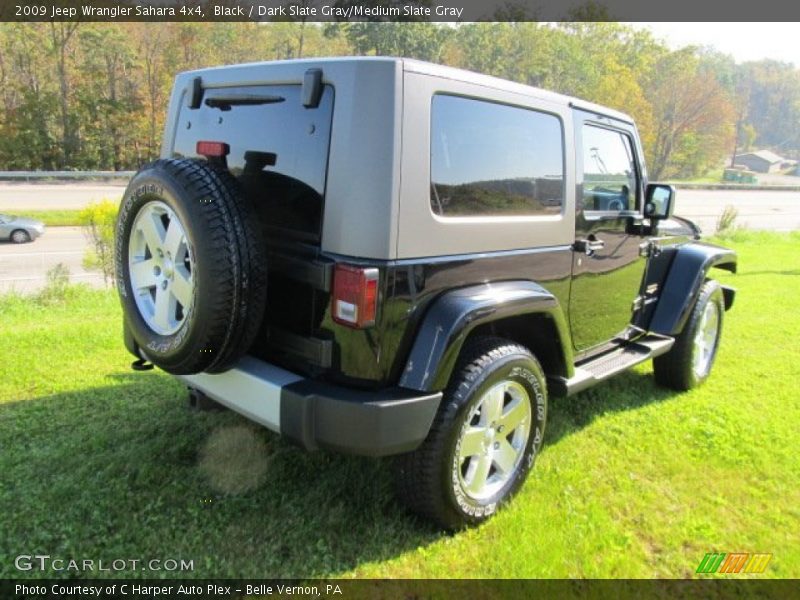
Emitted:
pixel 743 41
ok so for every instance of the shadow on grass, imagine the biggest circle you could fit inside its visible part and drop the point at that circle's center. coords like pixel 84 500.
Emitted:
pixel 128 471
pixel 627 391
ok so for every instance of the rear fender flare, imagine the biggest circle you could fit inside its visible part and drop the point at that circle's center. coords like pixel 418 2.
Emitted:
pixel 455 314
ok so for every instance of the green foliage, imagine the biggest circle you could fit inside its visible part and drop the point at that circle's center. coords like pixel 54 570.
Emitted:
pixel 726 223
pixel 692 114
pixel 93 95
pixel 56 286
pixel 99 219
pixel 633 481
pixel 54 217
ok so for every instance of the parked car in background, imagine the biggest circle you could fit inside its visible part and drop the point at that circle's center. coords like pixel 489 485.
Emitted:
pixel 20 229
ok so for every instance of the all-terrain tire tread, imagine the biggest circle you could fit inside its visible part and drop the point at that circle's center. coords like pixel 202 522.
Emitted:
pixel 419 472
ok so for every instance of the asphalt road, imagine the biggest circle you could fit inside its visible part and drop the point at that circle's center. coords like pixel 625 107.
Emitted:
pixel 23 267
pixel 49 196
pixel 776 210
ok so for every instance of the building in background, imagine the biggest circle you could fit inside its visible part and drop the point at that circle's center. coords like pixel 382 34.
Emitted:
pixel 762 161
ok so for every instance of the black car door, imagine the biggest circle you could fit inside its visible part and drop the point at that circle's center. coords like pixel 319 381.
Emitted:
pixel 608 266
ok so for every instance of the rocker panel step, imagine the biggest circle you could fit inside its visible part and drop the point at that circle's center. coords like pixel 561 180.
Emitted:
pixel 606 365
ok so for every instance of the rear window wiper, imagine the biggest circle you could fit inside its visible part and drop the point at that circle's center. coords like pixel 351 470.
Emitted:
pixel 226 102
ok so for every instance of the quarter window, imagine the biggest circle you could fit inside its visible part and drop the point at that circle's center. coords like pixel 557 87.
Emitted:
pixel 609 170
pixel 491 159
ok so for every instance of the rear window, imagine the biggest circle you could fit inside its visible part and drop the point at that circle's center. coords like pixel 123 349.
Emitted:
pixel 490 159
pixel 278 150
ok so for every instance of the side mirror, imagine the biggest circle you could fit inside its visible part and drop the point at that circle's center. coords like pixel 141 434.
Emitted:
pixel 659 201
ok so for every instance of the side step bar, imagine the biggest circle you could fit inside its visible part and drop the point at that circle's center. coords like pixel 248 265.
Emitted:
pixel 609 364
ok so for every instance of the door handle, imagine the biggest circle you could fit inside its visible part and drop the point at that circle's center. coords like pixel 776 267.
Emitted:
pixel 588 246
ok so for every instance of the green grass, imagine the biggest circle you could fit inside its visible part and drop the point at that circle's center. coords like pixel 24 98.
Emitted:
pixel 53 218
pixel 633 481
pixel 712 176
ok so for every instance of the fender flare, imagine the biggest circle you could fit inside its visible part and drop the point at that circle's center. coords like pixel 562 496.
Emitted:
pixel 455 314
pixel 681 286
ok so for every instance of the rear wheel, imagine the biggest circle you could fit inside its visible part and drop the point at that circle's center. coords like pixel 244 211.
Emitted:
pixel 190 264
pixel 484 439
pixel 20 236
pixel 689 362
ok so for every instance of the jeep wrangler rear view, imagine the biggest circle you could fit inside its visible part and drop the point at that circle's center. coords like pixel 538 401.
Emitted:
pixel 388 257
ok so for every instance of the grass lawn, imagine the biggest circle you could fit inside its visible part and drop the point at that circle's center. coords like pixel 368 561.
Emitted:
pixel 100 462
pixel 712 176
pixel 53 218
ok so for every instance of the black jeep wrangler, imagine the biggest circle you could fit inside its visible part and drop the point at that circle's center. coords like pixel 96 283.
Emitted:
pixel 389 257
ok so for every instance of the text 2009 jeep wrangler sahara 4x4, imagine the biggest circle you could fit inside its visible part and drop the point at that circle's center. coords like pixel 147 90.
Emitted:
pixel 388 257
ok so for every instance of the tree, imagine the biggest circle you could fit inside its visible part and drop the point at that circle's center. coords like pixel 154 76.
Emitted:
pixel 693 117
pixel 60 36
pixel 106 95
pixel 421 40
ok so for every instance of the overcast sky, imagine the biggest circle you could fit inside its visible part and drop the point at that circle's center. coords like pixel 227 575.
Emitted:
pixel 744 41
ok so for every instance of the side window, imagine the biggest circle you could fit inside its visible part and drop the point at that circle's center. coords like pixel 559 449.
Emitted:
pixel 491 159
pixel 610 181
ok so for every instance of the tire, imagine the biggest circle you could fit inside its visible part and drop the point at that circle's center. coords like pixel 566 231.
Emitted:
pixel 20 236
pixel 441 479
pixel 193 294
pixel 689 362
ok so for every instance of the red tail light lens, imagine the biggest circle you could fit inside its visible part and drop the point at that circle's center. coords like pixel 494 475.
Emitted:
pixel 355 296
pixel 213 149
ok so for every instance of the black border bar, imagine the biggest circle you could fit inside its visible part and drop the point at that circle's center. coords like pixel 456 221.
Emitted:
pixel 708 588
pixel 399 10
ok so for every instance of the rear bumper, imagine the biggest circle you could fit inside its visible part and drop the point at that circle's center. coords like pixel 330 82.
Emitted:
pixel 320 415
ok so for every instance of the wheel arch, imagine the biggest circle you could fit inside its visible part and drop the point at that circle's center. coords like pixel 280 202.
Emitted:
pixel 680 287
pixel 521 311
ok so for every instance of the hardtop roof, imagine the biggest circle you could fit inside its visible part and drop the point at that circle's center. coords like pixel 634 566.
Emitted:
pixel 436 70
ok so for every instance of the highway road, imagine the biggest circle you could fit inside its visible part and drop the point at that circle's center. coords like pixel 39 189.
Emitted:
pixel 776 210
pixel 50 196
pixel 24 266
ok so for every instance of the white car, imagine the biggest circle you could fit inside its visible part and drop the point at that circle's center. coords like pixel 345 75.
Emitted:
pixel 20 229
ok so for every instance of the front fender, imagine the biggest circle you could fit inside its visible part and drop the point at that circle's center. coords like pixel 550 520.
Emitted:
pixel 683 281
pixel 455 314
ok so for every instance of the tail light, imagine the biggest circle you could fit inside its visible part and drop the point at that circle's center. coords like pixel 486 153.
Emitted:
pixel 355 296
pixel 212 149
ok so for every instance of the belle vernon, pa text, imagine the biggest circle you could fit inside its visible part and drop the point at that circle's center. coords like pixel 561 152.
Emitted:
pixel 154 591
pixel 251 11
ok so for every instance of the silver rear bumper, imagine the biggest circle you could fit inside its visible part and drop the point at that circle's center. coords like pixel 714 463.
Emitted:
pixel 252 388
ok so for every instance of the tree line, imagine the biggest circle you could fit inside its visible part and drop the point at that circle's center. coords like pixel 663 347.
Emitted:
pixel 94 95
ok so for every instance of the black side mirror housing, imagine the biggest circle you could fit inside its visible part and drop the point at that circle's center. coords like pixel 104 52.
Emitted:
pixel 659 201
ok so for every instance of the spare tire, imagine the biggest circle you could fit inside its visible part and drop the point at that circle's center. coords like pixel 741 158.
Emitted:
pixel 190 266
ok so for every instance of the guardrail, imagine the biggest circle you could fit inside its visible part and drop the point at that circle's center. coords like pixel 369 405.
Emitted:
pixel 758 187
pixel 29 175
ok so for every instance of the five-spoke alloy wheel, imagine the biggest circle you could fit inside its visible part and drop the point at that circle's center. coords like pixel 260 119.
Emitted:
pixel 190 265
pixel 484 438
pixel 161 270
pixel 493 440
